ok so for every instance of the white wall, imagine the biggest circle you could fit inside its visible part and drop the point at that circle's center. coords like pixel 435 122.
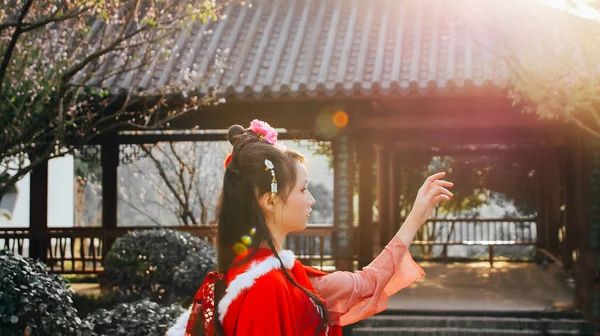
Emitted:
pixel 60 196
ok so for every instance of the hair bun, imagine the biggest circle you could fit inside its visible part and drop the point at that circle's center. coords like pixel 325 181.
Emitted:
pixel 234 133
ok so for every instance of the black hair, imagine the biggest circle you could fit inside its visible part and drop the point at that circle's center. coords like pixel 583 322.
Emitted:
pixel 245 181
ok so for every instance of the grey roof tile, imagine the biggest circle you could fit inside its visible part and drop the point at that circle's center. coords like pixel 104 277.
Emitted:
pixel 326 47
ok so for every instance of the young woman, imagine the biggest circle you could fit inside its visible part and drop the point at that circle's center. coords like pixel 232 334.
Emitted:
pixel 259 288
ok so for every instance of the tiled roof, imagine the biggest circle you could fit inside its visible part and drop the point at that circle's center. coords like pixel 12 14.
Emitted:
pixel 330 47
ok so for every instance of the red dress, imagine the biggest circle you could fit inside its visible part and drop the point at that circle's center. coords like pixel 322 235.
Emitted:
pixel 259 299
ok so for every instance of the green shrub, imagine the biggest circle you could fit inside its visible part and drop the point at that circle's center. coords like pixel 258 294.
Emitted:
pixel 142 264
pixel 87 304
pixel 192 271
pixel 32 302
pixel 144 318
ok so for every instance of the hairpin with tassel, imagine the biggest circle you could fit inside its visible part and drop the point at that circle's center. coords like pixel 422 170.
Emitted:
pixel 271 168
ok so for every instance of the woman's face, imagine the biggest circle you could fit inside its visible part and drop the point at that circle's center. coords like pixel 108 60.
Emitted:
pixel 293 214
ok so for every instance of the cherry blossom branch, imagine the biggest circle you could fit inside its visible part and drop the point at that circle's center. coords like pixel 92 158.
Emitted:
pixel 29 26
pixel 13 41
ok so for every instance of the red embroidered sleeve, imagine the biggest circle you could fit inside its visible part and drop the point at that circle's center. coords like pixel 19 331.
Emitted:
pixel 203 308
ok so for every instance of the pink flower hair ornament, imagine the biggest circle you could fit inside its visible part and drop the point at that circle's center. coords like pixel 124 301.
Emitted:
pixel 264 132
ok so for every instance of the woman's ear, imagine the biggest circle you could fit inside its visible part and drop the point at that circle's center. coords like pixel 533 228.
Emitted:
pixel 266 204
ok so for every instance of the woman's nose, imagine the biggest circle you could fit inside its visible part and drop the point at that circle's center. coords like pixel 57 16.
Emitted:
pixel 312 200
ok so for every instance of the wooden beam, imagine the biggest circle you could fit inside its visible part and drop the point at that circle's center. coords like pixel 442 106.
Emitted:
pixel 490 105
pixel 430 116
pixel 439 122
pixel 407 139
pixel 406 113
pixel 425 113
pixel 147 138
pixel 307 115
pixel 470 112
pixel 459 152
pixel 415 119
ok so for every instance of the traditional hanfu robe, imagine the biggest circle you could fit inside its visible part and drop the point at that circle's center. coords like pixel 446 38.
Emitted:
pixel 260 300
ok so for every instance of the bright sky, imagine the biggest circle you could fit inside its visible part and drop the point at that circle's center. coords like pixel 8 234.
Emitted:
pixel 581 10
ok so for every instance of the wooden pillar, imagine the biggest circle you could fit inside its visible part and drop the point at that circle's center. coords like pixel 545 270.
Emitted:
pixel 110 162
pixel 575 215
pixel 553 182
pixel 549 201
pixel 541 201
pixel 383 194
pixel 590 244
pixel 570 218
pixel 38 212
pixel 394 192
pixel 365 199
pixel 343 219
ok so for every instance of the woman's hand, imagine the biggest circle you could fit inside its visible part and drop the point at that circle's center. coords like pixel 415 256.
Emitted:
pixel 432 192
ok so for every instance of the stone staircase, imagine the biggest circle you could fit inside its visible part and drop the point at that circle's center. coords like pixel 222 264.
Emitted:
pixel 407 323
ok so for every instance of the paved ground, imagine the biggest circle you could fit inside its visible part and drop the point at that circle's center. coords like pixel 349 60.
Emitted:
pixel 476 286
pixel 472 286
pixel 86 289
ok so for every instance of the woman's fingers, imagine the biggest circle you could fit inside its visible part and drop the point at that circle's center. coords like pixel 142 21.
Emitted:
pixel 434 178
pixel 440 183
pixel 438 191
pixel 443 183
pixel 433 191
pixel 439 198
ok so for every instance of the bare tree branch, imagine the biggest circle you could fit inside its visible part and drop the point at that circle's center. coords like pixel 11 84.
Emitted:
pixel 140 211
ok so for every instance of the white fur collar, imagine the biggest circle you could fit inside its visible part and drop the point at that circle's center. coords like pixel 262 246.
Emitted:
pixel 237 285
pixel 178 329
pixel 246 280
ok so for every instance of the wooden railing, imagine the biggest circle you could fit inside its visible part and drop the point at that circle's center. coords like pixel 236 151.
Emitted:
pixel 481 232
pixel 313 246
pixel 80 250
pixel 15 240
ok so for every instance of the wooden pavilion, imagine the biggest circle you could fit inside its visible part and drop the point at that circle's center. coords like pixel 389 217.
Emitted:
pixel 406 79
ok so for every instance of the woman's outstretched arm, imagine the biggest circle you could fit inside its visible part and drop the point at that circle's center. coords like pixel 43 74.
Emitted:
pixel 353 296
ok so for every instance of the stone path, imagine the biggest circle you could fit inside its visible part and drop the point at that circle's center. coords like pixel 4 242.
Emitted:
pixel 476 286
pixel 472 286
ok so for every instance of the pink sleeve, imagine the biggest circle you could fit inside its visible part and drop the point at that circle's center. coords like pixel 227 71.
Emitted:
pixel 353 296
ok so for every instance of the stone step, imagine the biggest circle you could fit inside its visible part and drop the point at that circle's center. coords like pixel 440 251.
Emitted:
pixel 484 313
pixel 476 322
pixel 390 331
